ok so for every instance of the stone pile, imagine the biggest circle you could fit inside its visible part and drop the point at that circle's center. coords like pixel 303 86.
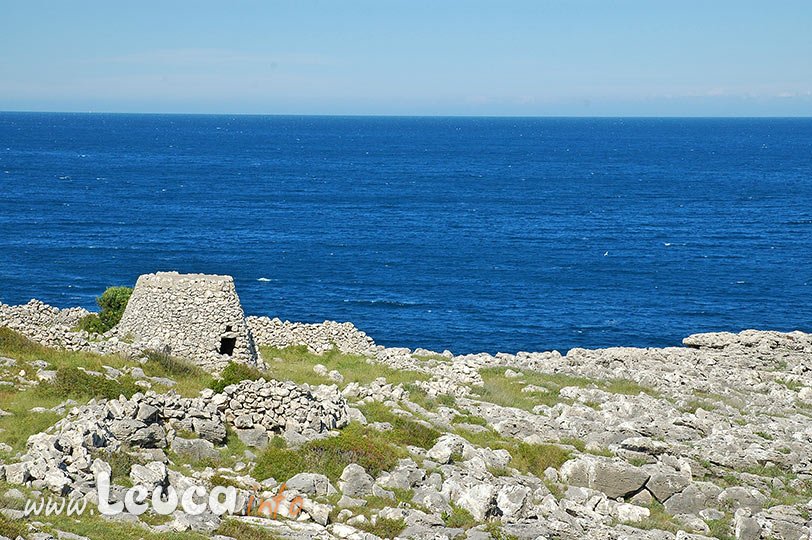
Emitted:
pixel 319 338
pixel 258 408
pixel 62 458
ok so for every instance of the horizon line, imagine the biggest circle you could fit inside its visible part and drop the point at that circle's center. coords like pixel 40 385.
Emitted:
pixel 395 115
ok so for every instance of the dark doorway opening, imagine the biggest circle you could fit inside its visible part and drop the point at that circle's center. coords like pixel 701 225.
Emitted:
pixel 227 345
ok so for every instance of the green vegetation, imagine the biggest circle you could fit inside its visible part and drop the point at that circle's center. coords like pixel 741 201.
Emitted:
pixel 629 387
pixel 470 419
pixel 720 528
pixel 112 303
pixel 297 366
pixel 693 404
pixel 405 431
pixel 383 527
pixel 658 519
pixel 507 392
pixel 234 374
pixel 526 457
pixel 355 444
pixel 120 464
pixel 190 378
pixel 22 424
pixel 495 530
pixel 72 382
pixel 536 458
pixel 244 531
pixel 459 518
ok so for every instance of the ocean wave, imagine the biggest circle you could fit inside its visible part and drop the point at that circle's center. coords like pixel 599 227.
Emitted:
pixel 382 303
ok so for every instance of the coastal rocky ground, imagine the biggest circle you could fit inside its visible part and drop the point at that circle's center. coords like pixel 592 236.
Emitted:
pixel 712 439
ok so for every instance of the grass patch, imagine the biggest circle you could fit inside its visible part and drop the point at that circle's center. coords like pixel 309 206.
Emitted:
pixel 244 531
pixel 536 458
pixel 459 518
pixel 235 373
pixel 21 425
pixel 356 444
pixel 72 382
pixel 405 431
pixel 658 519
pixel 297 366
pixel 720 528
pixel 17 346
pixel 383 527
pixel 692 405
pixel 526 457
pixel 507 392
pixel 470 419
pixel 495 531
pixel 630 388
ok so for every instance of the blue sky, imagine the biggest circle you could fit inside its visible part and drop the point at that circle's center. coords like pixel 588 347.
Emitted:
pixel 562 57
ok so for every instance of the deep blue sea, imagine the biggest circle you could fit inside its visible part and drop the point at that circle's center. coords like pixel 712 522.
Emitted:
pixel 472 234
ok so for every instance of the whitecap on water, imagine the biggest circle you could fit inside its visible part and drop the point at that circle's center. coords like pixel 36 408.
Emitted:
pixel 263 279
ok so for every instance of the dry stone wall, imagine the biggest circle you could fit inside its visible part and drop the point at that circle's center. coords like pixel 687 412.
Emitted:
pixel 319 337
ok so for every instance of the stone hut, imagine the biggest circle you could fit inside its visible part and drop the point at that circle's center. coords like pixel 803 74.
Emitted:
pixel 194 316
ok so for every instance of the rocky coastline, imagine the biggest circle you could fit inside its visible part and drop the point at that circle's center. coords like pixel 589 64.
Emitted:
pixel 709 440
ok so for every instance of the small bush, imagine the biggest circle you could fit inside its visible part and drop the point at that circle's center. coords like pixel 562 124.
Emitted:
pixel 459 518
pixel 91 323
pixel 233 374
pixel 112 302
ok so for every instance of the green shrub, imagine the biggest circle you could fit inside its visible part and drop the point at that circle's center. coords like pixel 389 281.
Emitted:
pixel 459 518
pixel 233 374
pixel 91 323
pixel 112 302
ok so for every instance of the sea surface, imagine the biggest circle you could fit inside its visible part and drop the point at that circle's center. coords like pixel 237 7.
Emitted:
pixel 469 234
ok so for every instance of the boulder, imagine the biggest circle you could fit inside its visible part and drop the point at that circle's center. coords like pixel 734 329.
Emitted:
pixel 615 478
pixel 210 430
pixel 355 482
pixel 195 449
pixel 255 437
pixel 311 483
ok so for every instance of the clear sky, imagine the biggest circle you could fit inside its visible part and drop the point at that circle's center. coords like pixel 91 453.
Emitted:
pixel 526 58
